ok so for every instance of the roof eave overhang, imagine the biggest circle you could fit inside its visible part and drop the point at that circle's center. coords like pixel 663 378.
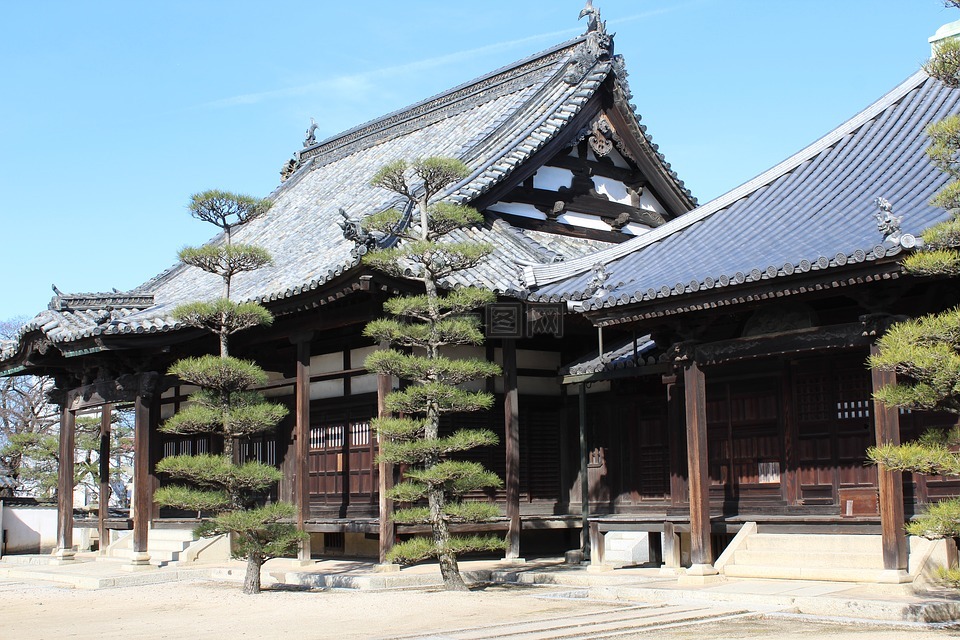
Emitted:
pixel 815 283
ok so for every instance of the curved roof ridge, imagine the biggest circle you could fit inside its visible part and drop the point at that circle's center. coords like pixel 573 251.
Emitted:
pixel 434 102
pixel 553 273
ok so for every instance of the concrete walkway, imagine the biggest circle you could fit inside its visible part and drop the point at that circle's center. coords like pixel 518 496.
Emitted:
pixel 844 601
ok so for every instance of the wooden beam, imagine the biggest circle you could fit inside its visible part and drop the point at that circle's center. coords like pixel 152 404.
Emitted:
pixel 68 430
pixel 385 476
pixel 103 497
pixel 302 437
pixel 697 470
pixel 887 424
pixel 511 436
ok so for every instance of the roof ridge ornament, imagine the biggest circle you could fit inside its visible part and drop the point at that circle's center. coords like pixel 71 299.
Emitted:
pixel 597 46
pixel 889 225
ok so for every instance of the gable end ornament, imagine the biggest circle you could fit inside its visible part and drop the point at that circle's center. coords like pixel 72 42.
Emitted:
pixel 597 46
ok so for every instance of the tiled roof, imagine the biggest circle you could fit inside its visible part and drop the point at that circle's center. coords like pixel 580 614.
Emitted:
pixel 814 211
pixel 494 124
pixel 622 355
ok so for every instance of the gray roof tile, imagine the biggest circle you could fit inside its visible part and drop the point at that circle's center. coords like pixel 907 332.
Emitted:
pixel 814 211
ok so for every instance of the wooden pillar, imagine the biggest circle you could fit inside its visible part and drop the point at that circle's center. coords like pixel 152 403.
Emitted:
pixel 887 423
pixel 584 477
pixel 695 399
pixel 68 430
pixel 511 436
pixel 302 436
pixel 103 498
pixel 142 481
pixel 388 534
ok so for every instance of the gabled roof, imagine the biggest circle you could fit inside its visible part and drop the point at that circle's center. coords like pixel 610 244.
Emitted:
pixel 814 211
pixel 495 124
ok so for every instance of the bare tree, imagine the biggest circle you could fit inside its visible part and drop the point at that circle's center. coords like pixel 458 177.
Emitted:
pixel 28 426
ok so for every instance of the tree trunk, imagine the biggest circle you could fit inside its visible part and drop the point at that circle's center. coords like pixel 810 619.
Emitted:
pixel 449 569
pixel 251 580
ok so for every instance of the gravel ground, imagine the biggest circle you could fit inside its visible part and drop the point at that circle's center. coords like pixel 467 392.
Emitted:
pixel 206 610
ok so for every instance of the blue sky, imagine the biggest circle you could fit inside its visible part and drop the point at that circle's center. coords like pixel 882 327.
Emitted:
pixel 113 113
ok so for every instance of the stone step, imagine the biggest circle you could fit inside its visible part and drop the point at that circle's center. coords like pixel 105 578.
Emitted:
pixel 172 534
pixel 832 574
pixel 789 543
pixel 810 558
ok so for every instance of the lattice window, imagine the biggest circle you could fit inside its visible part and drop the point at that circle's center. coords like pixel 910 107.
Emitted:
pixel 328 436
pixel 359 433
pixel 812 399
pixel 853 396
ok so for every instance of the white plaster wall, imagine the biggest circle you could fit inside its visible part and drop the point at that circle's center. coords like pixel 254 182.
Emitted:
pixel 29 529
pixel 552 178
pixel 518 209
pixel 584 220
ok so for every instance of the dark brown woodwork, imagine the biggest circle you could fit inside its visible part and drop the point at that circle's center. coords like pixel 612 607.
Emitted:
pixel 544 200
pixel 68 431
pixel 887 423
pixel 385 476
pixel 302 437
pixel 607 169
pixel 511 425
pixel 103 498
pixel 724 300
pixel 142 482
pixel 558 228
pixel 125 388
pixel 584 476
pixel 696 417
pixel 791 478
pixel 555 146
pixel 676 440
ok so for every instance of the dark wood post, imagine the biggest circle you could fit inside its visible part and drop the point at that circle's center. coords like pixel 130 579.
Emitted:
pixel 695 400
pixel 68 430
pixel 511 436
pixel 887 423
pixel 142 481
pixel 388 533
pixel 103 497
pixel 302 454
pixel 584 477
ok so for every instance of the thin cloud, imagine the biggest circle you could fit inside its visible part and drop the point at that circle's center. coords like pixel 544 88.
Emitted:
pixel 366 79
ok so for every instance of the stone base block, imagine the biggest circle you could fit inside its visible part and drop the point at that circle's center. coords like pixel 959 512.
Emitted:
pixel 386 567
pixel 599 568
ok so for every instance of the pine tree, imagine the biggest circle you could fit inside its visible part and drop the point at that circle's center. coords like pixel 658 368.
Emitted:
pixel 224 406
pixel 423 325
pixel 925 352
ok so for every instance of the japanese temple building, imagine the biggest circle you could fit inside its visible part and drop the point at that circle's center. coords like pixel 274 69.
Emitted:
pixel 685 378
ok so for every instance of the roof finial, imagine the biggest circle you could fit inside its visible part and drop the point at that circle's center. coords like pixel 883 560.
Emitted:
pixel 311 138
pixel 593 23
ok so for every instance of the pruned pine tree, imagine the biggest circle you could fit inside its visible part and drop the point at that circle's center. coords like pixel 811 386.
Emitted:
pixel 422 325
pixel 925 352
pixel 224 406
